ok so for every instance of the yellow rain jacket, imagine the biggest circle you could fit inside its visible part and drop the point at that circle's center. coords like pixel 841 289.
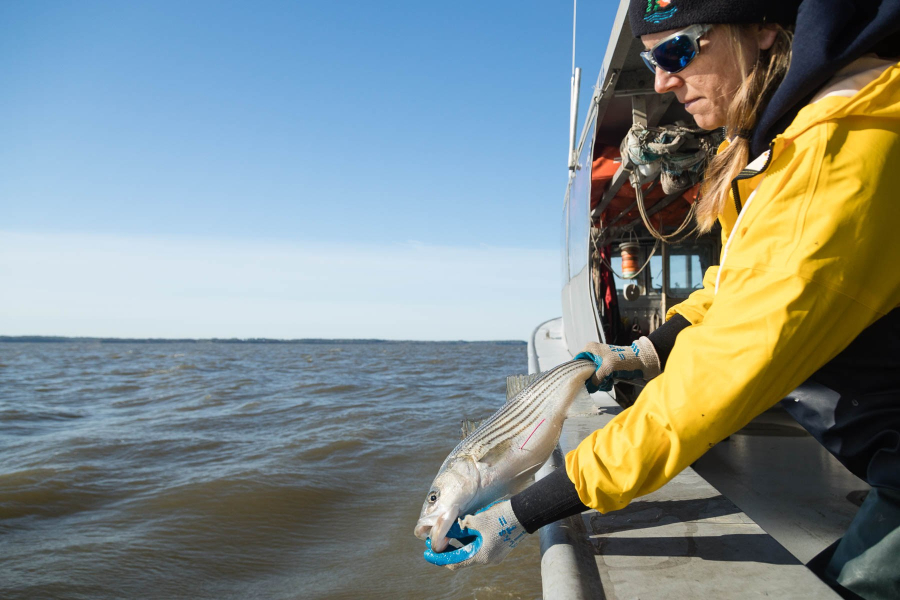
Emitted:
pixel 811 261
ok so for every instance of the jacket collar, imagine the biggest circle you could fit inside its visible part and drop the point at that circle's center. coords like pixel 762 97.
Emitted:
pixel 829 35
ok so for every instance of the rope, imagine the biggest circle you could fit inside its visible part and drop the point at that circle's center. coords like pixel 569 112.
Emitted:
pixel 639 196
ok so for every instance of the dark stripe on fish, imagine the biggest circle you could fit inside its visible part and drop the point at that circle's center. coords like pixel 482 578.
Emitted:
pixel 512 419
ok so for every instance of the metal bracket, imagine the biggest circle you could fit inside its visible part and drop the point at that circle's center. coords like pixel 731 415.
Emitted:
pixel 639 110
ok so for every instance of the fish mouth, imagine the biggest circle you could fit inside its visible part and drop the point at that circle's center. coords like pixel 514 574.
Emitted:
pixel 422 531
pixel 442 525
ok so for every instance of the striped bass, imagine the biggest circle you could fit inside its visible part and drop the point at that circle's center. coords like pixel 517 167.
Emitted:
pixel 501 455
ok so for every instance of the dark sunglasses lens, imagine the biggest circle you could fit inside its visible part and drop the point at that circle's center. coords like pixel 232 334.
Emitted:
pixel 675 54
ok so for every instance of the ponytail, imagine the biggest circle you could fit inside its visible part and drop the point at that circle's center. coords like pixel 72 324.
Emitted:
pixel 759 83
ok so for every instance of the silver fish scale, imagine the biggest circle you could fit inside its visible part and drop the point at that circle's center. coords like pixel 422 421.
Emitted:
pixel 517 414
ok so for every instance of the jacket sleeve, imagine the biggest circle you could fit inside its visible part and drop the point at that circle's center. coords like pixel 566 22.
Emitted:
pixel 805 275
pixel 694 308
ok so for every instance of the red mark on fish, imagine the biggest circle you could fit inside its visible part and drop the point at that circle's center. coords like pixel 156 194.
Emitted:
pixel 532 433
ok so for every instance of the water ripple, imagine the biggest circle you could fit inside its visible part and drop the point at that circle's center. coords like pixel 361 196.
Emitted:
pixel 201 470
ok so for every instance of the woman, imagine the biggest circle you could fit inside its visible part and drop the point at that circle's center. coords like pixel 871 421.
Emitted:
pixel 806 190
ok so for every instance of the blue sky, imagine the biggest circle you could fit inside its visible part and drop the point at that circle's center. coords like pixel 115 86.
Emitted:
pixel 285 169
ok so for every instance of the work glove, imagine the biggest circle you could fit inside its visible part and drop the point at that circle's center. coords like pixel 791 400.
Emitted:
pixel 487 537
pixel 639 361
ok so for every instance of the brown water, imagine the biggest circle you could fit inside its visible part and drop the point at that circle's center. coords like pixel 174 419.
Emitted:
pixel 209 470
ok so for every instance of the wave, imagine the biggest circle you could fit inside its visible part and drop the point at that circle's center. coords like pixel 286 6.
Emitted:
pixel 236 470
pixel 38 416
pixel 49 492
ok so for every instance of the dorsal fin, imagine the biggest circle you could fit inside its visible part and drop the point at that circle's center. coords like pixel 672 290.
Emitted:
pixel 467 426
pixel 517 383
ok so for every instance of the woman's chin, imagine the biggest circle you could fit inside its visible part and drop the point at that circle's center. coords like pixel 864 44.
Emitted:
pixel 705 113
pixel 707 121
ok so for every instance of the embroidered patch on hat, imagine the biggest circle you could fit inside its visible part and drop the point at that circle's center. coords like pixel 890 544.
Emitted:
pixel 659 10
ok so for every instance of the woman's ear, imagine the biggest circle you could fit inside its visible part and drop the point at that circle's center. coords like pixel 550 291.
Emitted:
pixel 765 36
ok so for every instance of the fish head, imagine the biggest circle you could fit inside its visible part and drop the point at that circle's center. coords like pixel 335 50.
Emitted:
pixel 452 493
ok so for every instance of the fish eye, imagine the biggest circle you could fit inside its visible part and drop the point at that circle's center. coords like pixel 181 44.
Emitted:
pixel 432 496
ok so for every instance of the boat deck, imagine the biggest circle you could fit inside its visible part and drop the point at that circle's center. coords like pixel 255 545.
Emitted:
pixel 688 540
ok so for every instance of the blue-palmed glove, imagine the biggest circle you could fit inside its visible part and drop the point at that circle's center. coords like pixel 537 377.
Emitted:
pixel 638 361
pixel 487 537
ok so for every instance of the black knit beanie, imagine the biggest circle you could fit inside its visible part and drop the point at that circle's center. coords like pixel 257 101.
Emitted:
pixel 652 16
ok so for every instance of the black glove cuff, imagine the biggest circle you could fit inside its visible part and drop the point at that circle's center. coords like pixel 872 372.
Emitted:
pixel 550 499
pixel 663 337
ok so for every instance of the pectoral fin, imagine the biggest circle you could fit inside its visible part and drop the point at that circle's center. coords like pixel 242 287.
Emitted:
pixel 497 453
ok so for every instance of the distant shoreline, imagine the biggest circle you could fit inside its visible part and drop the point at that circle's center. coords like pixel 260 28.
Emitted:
pixel 109 340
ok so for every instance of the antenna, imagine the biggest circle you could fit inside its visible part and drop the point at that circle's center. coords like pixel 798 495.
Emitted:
pixel 574 91
pixel 574 21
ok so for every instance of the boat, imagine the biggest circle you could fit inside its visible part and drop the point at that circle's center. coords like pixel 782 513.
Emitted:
pixel 731 525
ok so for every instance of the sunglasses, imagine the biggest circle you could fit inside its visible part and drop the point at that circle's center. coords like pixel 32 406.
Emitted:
pixel 674 53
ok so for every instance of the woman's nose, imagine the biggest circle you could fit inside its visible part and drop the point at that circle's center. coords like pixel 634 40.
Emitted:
pixel 665 82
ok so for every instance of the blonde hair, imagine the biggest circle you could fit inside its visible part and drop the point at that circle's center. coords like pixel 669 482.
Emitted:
pixel 759 83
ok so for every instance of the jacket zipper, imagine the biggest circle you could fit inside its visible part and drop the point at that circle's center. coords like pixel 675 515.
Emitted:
pixel 747 174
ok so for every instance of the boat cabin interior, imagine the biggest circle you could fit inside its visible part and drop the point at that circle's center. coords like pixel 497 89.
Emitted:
pixel 632 249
